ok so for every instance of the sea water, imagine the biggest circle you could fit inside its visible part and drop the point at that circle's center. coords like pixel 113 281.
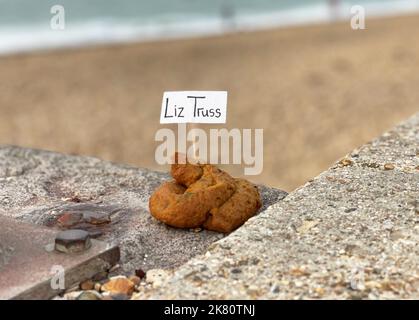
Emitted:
pixel 25 24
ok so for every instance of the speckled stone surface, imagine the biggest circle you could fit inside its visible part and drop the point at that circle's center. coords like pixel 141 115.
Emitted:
pixel 39 186
pixel 351 233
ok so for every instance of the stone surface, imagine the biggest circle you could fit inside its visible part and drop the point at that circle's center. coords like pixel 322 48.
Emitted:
pixel 350 233
pixel 119 285
pixel 87 285
pixel 117 296
pixel 89 295
pixel 136 280
pixel 156 277
pixel 32 266
pixel 109 201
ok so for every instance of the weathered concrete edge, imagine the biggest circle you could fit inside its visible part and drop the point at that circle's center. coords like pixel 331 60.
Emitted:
pixel 38 186
pixel 352 232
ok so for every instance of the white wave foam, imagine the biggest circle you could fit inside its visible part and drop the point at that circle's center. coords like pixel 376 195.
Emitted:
pixel 28 38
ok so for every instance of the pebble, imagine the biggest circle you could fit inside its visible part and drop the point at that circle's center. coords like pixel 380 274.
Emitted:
pixel 68 219
pixel 156 277
pixel 98 287
pixel 87 285
pixel 114 268
pixel 345 162
pixel 320 291
pixel 137 296
pixel 299 272
pixel 136 280
pixel 396 235
pixel 388 166
pixel 89 295
pixel 140 273
pixel 119 296
pixel 72 295
pixel 307 225
pixel 119 285
pixel 371 165
pixel 96 218
pixel 353 250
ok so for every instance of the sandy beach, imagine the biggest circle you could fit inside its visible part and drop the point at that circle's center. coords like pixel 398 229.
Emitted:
pixel 318 92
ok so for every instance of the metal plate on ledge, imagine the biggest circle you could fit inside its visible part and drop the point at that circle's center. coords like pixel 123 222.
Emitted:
pixel 28 265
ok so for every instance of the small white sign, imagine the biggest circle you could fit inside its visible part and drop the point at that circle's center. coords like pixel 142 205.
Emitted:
pixel 194 107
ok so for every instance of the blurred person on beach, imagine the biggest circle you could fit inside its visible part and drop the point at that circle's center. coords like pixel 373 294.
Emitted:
pixel 334 6
pixel 227 16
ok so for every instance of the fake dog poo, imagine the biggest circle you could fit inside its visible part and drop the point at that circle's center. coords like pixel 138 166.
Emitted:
pixel 202 195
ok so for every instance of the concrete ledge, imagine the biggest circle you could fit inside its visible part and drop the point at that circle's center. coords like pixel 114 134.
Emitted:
pixel 352 232
pixel 39 187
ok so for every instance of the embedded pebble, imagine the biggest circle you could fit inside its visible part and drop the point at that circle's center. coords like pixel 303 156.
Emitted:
pixel 156 277
pixel 119 285
pixel 89 295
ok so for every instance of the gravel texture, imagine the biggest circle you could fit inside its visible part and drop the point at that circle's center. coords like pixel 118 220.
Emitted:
pixel 351 233
pixel 39 187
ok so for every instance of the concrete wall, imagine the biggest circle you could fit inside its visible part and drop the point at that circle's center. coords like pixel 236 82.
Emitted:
pixel 352 232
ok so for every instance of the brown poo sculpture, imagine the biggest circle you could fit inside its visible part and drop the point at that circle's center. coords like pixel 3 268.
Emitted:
pixel 204 196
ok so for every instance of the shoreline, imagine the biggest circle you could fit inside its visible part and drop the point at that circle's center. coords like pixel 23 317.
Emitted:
pixel 91 34
pixel 319 92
